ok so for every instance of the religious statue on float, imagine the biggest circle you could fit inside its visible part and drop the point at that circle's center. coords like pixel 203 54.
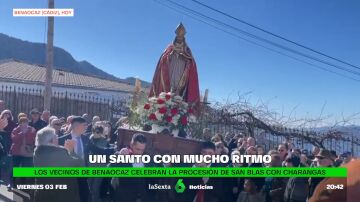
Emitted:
pixel 176 71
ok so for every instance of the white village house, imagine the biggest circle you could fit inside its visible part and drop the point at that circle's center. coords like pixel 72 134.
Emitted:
pixel 22 86
pixel 19 74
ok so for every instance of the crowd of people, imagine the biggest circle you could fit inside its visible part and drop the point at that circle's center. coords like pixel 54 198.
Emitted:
pixel 41 139
pixel 284 155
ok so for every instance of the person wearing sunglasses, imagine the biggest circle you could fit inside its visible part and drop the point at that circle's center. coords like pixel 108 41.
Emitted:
pixel 296 187
pixel 56 125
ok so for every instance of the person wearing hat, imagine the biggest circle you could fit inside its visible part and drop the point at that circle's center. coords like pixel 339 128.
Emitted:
pixel 36 121
pixel 79 148
pixel 323 159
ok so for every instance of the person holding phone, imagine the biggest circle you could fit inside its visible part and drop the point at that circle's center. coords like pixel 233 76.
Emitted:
pixel 7 116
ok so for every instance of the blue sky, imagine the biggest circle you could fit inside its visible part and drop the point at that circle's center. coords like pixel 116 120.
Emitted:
pixel 126 38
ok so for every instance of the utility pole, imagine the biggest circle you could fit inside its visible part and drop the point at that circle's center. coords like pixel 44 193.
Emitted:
pixel 49 58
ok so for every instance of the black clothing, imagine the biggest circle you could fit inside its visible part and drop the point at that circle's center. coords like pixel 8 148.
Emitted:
pixel 44 156
pixel 132 189
pixel 40 124
pixel 83 184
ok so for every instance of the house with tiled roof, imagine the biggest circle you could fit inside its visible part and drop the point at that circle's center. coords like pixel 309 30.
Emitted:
pixel 19 74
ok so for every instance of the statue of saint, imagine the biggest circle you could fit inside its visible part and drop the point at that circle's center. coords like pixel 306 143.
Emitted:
pixel 176 71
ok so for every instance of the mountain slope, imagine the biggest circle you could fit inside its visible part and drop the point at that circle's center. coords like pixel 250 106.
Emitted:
pixel 35 53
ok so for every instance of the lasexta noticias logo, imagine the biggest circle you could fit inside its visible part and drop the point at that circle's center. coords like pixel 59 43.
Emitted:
pixel 180 186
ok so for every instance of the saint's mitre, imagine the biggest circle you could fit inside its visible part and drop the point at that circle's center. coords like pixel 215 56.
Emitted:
pixel 180 30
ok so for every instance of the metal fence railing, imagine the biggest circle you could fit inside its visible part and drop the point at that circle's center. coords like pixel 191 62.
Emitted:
pixel 62 103
pixel 271 141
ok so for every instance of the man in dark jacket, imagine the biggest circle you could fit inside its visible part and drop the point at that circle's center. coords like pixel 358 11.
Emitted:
pixel 81 150
pixel 323 159
pixel 48 154
pixel 296 187
pixel 77 136
pixel 204 195
pixel 132 189
pixel 36 121
pixel 274 187
pixel 232 144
